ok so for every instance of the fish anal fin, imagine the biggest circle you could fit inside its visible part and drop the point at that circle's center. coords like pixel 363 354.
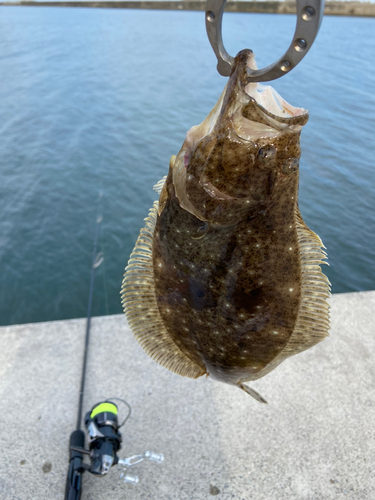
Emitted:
pixel 140 307
pixel 252 393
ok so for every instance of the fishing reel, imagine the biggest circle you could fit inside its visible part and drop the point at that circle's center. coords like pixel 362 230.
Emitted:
pixel 104 441
pixel 104 437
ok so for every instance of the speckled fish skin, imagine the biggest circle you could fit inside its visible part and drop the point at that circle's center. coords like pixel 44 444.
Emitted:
pixel 225 279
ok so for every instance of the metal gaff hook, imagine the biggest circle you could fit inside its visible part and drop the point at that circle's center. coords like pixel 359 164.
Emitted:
pixel 309 18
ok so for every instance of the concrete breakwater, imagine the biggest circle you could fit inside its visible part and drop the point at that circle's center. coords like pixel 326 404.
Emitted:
pixel 334 8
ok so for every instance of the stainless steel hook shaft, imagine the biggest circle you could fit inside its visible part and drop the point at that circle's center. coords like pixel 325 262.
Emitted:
pixel 309 18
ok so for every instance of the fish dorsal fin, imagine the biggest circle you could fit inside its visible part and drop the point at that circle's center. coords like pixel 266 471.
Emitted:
pixel 141 309
pixel 159 185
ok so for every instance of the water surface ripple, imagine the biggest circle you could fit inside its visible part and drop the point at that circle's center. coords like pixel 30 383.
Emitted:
pixel 96 100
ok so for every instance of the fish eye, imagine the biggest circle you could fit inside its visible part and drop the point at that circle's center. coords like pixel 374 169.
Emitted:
pixel 265 152
pixel 290 166
pixel 265 156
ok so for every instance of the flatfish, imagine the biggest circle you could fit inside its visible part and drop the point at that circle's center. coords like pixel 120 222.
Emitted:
pixel 225 277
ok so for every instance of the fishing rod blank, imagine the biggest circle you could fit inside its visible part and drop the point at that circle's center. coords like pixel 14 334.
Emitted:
pixel 101 422
pixel 77 438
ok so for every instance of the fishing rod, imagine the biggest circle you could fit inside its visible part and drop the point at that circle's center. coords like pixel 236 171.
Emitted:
pixel 101 422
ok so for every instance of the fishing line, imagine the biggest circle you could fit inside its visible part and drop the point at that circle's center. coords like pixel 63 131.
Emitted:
pixel 103 248
pixel 104 275
pixel 101 422
pixel 99 219
pixel 129 408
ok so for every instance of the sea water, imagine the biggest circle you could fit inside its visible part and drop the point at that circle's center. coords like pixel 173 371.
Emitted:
pixel 93 102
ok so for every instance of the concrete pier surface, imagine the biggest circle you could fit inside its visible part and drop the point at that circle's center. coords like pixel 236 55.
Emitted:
pixel 314 440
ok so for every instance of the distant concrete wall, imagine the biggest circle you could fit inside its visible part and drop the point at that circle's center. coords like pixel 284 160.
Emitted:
pixel 334 8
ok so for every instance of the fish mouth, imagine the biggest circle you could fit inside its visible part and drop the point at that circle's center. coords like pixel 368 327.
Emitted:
pixel 272 103
pixel 248 114
pixel 257 107
pixel 267 114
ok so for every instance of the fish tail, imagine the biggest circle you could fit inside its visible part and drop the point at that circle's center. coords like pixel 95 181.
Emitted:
pixel 252 393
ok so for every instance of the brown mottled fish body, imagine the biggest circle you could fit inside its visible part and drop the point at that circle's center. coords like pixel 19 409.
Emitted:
pixel 225 278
